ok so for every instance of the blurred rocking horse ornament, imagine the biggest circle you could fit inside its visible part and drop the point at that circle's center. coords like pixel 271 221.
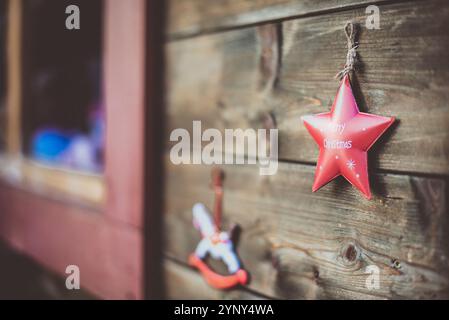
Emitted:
pixel 215 242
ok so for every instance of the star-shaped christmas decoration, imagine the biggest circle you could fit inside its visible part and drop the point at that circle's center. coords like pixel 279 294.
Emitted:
pixel 344 136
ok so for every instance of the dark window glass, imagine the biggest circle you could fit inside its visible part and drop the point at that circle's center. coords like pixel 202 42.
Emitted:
pixel 63 116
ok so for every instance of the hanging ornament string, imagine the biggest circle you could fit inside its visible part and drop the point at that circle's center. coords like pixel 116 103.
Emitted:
pixel 215 242
pixel 217 184
pixel 344 135
pixel 351 56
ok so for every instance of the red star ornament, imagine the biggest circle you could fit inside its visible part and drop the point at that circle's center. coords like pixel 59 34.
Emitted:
pixel 344 136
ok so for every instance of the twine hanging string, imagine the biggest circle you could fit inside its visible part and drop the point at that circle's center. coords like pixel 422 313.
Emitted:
pixel 351 56
pixel 217 185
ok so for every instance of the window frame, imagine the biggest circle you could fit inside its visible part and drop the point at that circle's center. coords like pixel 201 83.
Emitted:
pixel 62 217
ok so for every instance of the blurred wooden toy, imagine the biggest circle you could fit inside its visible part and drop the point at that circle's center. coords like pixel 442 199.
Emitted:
pixel 215 242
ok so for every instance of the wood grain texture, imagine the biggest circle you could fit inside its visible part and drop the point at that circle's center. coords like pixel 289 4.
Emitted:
pixel 404 71
pixel 191 17
pixel 181 282
pixel 299 244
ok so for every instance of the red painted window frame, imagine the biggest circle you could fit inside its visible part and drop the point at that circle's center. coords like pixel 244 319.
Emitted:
pixel 106 244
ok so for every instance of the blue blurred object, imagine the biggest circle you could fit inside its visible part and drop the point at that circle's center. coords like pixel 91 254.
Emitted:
pixel 49 145
pixel 72 149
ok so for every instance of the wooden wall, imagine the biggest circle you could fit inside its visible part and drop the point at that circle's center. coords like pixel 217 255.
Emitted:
pixel 231 63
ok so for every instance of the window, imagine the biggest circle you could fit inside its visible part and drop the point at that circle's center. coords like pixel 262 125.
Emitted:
pixel 63 113
pixel 61 217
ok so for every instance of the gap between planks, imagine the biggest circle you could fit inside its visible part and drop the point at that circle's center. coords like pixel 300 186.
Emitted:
pixel 183 264
pixel 411 174
pixel 180 35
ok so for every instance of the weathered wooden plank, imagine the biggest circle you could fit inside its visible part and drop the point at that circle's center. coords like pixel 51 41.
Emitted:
pixel 231 79
pixel 190 17
pixel 299 244
pixel 181 282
